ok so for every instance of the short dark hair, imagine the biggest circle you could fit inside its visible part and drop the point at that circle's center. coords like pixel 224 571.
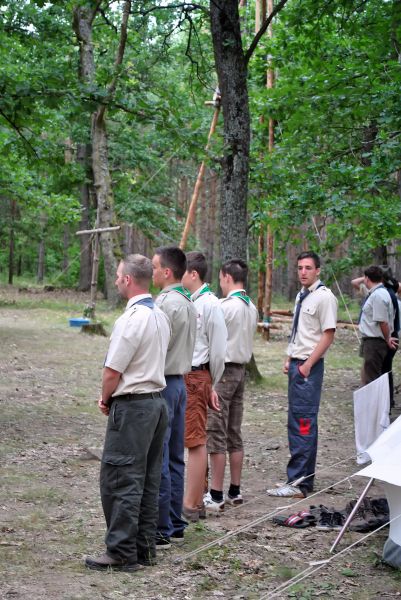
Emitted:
pixel 139 267
pixel 374 273
pixel 237 268
pixel 196 261
pixel 172 257
pixel 310 254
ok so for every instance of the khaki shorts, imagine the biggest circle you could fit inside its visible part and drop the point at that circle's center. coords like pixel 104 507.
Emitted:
pixel 224 427
pixel 199 387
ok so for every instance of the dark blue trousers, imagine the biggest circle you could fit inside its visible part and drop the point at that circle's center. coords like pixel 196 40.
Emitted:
pixel 172 480
pixel 303 408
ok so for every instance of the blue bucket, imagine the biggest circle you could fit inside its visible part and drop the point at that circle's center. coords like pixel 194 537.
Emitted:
pixel 78 322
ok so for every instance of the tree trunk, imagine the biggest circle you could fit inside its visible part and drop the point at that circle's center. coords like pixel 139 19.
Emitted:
pixel 85 265
pixel 82 23
pixel 11 252
pixel 105 203
pixel 232 74
pixel 41 261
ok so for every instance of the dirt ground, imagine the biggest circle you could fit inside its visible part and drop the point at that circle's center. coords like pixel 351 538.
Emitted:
pixel 50 509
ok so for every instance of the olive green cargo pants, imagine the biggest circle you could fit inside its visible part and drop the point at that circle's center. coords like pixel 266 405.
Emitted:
pixel 130 474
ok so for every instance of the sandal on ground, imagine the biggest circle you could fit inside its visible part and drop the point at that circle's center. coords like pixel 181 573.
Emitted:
pixel 293 521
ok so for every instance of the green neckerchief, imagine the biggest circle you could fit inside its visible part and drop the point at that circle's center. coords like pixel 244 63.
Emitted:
pixel 205 290
pixel 241 295
pixel 181 290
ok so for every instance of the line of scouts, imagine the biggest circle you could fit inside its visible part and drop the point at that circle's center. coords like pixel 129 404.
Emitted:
pixel 167 362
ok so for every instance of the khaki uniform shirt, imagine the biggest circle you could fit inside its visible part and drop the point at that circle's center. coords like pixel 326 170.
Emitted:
pixel 182 316
pixel 138 348
pixel 377 307
pixel 211 333
pixel 241 321
pixel 318 313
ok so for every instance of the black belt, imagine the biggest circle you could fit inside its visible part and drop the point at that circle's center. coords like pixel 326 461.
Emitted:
pixel 232 364
pixel 153 395
pixel 204 367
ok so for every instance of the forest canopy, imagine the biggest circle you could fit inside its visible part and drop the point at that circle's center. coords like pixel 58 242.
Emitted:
pixel 125 83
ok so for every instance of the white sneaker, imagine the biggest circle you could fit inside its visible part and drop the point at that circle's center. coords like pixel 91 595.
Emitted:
pixel 211 505
pixel 286 491
pixel 234 500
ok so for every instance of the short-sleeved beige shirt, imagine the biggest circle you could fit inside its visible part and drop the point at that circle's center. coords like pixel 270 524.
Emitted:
pixel 318 314
pixel 211 333
pixel 182 316
pixel 138 348
pixel 241 322
pixel 377 308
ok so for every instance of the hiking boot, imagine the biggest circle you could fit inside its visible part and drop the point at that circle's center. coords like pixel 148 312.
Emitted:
pixel 362 520
pixel 286 491
pixel 105 562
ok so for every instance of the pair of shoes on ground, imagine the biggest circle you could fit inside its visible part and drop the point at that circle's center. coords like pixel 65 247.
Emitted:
pixel 218 507
pixel 105 563
pixel 286 491
pixel 329 519
pixel 371 514
pixel 321 517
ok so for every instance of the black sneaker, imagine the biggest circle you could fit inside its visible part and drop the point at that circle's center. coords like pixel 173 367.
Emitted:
pixel 162 542
pixel 325 519
pixel 177 537
pixel 337 520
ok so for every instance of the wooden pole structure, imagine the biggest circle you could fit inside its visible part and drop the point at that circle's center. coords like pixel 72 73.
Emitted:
pixel 270 240
pixel 95 233
pixel 198 184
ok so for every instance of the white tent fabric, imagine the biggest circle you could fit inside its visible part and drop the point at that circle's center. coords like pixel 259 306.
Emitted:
pixel 385 454
pixel 371 414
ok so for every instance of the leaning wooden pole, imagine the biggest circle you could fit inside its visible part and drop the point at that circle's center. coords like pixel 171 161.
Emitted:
pixel 198 184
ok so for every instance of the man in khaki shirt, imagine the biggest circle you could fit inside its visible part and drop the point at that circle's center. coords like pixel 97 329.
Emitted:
pixel 169 264
pixel 133 377
pixel 312 334
pixel 224 427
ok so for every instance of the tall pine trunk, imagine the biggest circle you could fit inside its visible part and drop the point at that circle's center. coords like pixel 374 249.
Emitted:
pixel 232 74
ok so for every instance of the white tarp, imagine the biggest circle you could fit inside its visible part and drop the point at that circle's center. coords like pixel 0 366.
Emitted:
pixel 371 415
pixel 385 453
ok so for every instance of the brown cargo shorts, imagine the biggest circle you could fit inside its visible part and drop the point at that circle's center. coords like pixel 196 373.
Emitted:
pixel 199 387
pixel 224 427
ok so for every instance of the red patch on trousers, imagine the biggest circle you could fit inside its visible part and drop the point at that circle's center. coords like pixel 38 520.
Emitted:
pixel 304 426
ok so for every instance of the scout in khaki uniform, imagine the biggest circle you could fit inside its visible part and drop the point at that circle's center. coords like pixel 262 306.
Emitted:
pixel 169 264
pixel 224 428
pixel 206 371
pixel 133 377
pixel 314 325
